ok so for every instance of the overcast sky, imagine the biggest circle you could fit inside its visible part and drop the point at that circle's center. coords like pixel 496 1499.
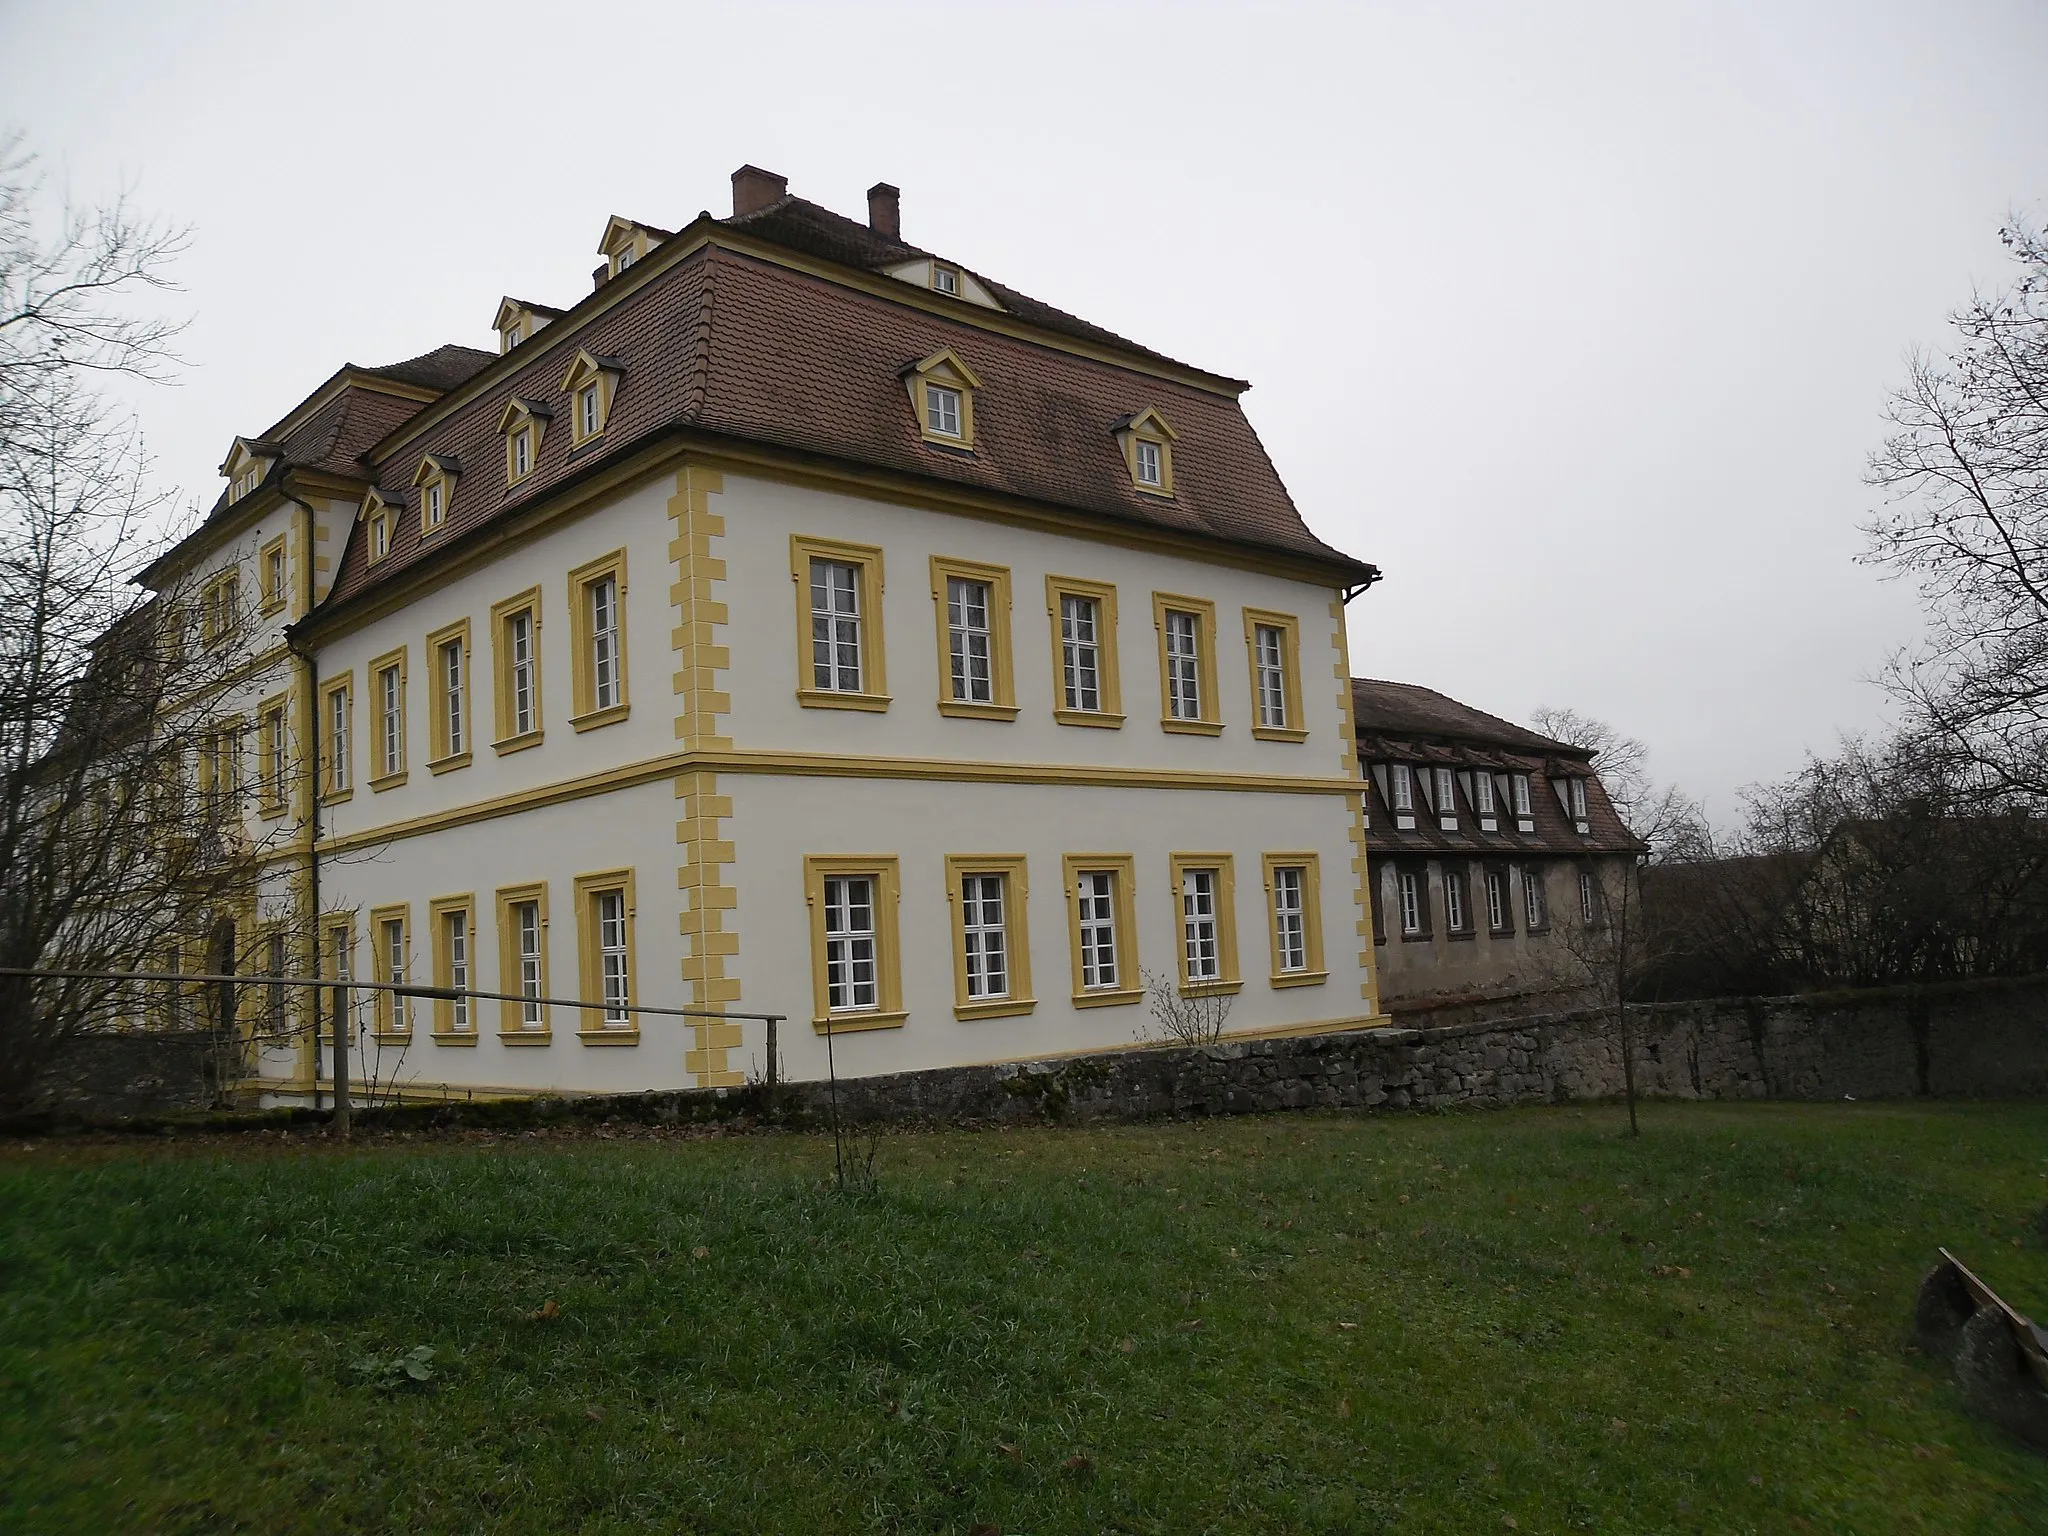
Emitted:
pixel 1576 320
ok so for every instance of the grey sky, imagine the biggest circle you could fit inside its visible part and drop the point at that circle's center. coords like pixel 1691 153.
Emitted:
pixel 1575 319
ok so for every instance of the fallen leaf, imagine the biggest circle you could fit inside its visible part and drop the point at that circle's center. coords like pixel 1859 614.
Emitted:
pixel 700 1253
pixel 1347 1326
pixel 1404 1199
pixel 594 1414
pixel 1343 1407
pixel 1617 1426
pixel 1510 1522
pixel 1189 1325
pixel 1756 1480
pixel 546 1313
pixel 1129 1346
pixel 1009 1450
pixel 1672 1272
pixel 1920 1453
pixel 1077 1463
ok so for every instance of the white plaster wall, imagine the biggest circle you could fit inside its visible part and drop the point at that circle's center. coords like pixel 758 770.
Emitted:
pixel 777 821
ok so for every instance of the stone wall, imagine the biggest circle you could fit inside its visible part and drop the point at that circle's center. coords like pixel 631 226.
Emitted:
pixel 116 1074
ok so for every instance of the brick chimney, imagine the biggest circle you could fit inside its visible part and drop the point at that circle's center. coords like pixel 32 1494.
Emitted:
pixel 885 210
pixel 754 189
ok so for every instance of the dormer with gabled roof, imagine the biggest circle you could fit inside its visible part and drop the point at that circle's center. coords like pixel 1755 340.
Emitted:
pixel 590 385
pixel 1147 441
pixel 521 424
pixel 942 396
pixel 249 460
pixel 518 319
pixel 434 484
pixel 626 241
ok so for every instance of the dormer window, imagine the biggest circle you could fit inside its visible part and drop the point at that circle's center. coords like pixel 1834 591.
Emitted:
pixel 522 424
pixel 591 383
pixel 624 242
pixel 434 480
pixel 518 319
pixel 379 518
pixel 945 279
pixel 511 335
pixel 245 466
pixel 1147 441
pixel 942 394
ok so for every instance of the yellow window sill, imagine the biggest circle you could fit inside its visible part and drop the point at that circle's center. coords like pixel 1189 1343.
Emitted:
pixel 1300 979
pixel 392 1036
pixel 1101 719
pixel 271 812
pixel 995 1008
pixel 1211 988
pixel 1192 727
pixel 854 1023
pixel 960 709
pixel 450 763
pixel 338 796
pixel 826 698
pixel 516 743
pixel 274 605
pixel 590 720
pixel 388 781
pixel 1277 733
pixel 1112 997
pixel 454 1037
pixel 609 1036
pixel 526 1037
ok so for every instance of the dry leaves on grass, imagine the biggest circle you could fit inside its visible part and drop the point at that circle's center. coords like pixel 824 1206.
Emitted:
pixel 1671 1272
pixel 546 1312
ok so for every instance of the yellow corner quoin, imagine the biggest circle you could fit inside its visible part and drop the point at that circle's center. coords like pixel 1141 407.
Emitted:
pixel 1123 870
pixel 806 556
pixel 1207 720
pixel 1224 870
pixel 884 871
pixel 1361 868
pixel 1016 997
pixel 954 699
pixel 705 854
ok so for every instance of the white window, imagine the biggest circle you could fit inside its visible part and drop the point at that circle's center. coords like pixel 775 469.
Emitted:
pixel 380 536
pixel 273 575
pixel 526 923
pixel 1097 898
pixel 275 966
pixel 586 410
pixel 522 453
pixel 1575 795
pixel 1271 644
pixel 1518 786
pixel 273 755
pixel 983 926
pixel 1401 787
pixel 942 410
pixel 968 640
pixel 1454 900
pixel 455 934
pixel 611 954
pixel 437 511
pixel 1148 462
pixel 850 956
pixel 622 261
pixel 508 338
pixel 451 695
pixel 1198 925
pixel 1183 665
pixel 519 641
pixel 1080 654
pixel 1290 924
pixel 1496 900
pixel 394 970
pixel 1589 898
pixel 1410 885
pixel 1482 793
pixel 604 642
pixel 835 626
pixel 392 697
pixel 945 279
pixel 1535 909
pixel 337 741
pixel 1446 792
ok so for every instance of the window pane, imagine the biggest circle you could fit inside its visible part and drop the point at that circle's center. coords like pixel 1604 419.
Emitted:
pixel 984 936
pixel 969 640
pixel 1198 924
pixel 1272 656
pixel 1183 687
pixel 1079 654
pixel 850 950
pixel 604 642
pixel 835 626
pixel 1289 919
pixel 1096 897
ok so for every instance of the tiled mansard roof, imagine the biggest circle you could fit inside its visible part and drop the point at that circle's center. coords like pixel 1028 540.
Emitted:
pixel 728 339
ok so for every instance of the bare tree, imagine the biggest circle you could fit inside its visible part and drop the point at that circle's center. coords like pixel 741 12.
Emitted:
pixel 121 783
pixel 1187 1016
pixel 1966 473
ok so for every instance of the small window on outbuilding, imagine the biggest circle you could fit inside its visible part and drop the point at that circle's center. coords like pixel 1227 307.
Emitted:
pixel 1147 442
pixel 942 394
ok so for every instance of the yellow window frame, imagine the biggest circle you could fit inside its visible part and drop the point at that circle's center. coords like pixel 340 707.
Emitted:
pixel 1311 918
pixel 438 912
pixel 506 738
pixel 1130 986
pixel 275 555
pixel 591 1027
pixel 866 559
pixel 585 371
pixel 444 758
pixel 885 871
pixel 1224 866
pixel 946 369
pixel 1210 721
pixel 1002 703
pixel 586 715
pixel 1014 869
pixel 273 755
pixel 379 665
pixel 1109 670
pixel 390 1014
pixel 345 686
pixel 1289 626
pixel 512 1029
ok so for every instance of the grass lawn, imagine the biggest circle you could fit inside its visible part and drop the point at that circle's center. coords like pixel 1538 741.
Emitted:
pixel 1460 1323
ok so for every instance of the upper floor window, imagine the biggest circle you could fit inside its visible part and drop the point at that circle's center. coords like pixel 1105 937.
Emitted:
pixel 1401 787
pixel 1084 652
pixel 1518 793
pixel 1187 663
pixel 1272 643
pixel 839 588
pixel 623 243
pixel 1589 898
pixel 972 604
pixel 379 526
pixel 1147 442
pixel 448 650
pixel 271 574
pixel 220 607
pixel 835 626
pixel 1409 888
pixel 590 384
pixel 1447 800
pixel 1482 792
pixel 522 423
pixel 1575 798
pixel 942 395
pixel 434 480
pixel 945 279
pixel 597 599
pixel 517 319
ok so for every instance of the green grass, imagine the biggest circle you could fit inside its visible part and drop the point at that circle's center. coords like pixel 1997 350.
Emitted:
pixel 1438 1323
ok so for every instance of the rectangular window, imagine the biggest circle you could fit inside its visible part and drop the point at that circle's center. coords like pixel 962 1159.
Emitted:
pixel 1097 896
pixel 454 931
pixel 942 410
pixel 1102 930
pixel 1270 652
pixel 1084 652
pixel 1535 905
pixel 1273 645
pixel 1148 462
pixel 1589 896
pixel 1482 792
pixel 588 418
pixel 449 648
pixel 1187 663
pixel 839 624
pixel 1518 787
pixel 1411 894
pixel 1455 913
pixel 970 648
pixel 275 963
pixel 604 916
pixel 522 453
pixel 1575 795
pixel 991 942
pixel 1401 786
pixel 380 536
pixel 1498 914
pixel 1447 799
pixel 272 576
pixel 387 746
pixel 273 753
pixel 854 952
pixel 515 656
pixel 972 605
pixel 436 506
pixel 337 746
pixel 451 694
pixel 391 951
pixel 1294 897
pixel 1183 663
pixel 522 964
pixel 597 598
pixel 1080 658
pixel 1205 903
pixel 835 626
pixel 945 280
